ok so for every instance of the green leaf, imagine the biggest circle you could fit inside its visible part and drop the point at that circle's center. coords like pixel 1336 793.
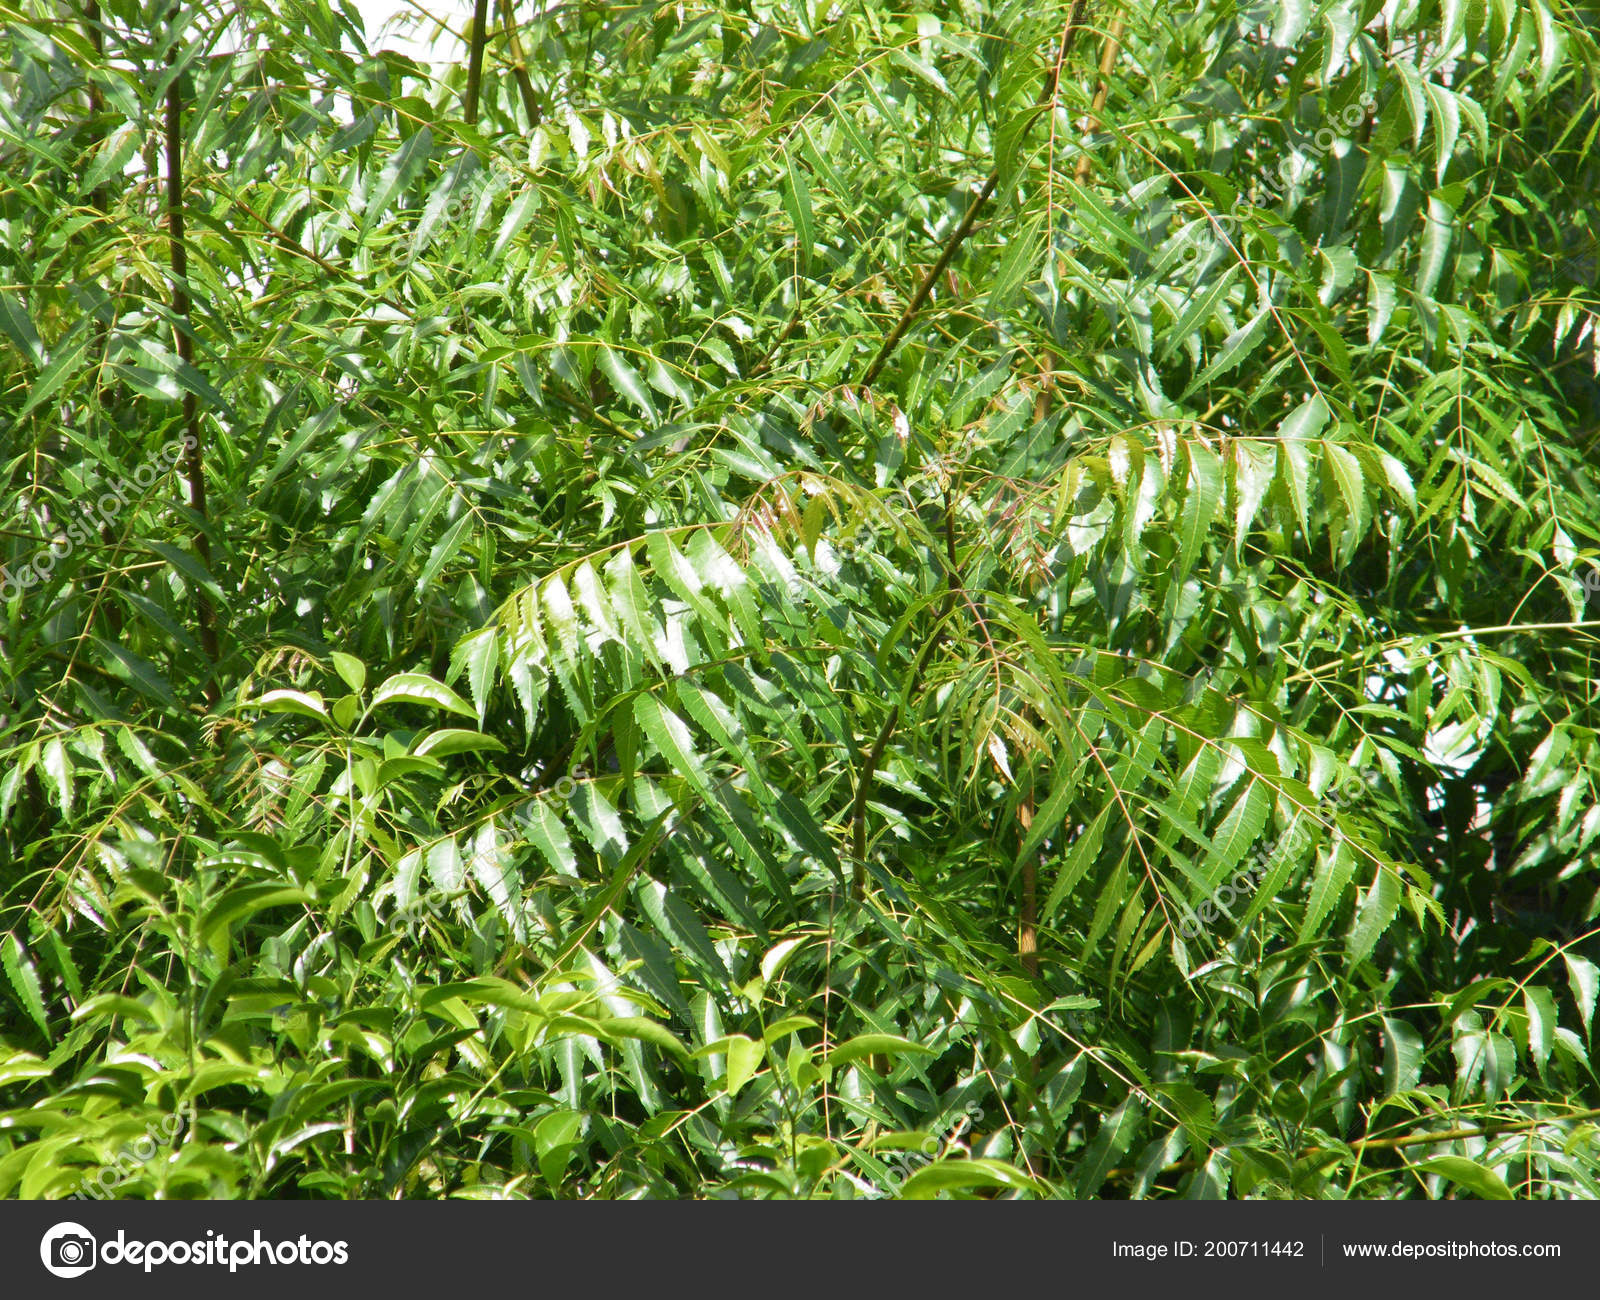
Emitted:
pixel 1235 348
pixel 484 991
pixel 350 669
pixel 1438 232
pixel 191 568
pixel 1306 420
pixel 644 1030
pixel 1403 1051
pixel 670 734
pixel 57 768
pixel 744 1059
pixel 545 831
pixel 1469 1175
pixel 18 327
pixel 1336 866
pixel 1584 978
pixel 555 1138
pixel 797 199
pixel 627 381
pixel 874 1045
pixel 1199 504
pixel 138 672
pixel 1085 850
pixel 419 688
pixel 1238 832
pixel 24 979
pixel 964 1175
pixel 1345 471
pixel 306 703
pixel 454 740
pixel 246 900
pixel 1111 1143
pixel 1374 913
pixel 479 653
pixel 1381 299
pixel 1540 1004
pixel 397 174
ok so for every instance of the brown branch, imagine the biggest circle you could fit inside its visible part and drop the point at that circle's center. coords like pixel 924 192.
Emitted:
pixel 760 367
pixel 519 65
pixel 1108 60
pixel 289 244
pixel 858 807
pixel 1028 926
pixel 480 33
pixel 91 22
pixel 100 200
pixel 205 616
pixel 1046 96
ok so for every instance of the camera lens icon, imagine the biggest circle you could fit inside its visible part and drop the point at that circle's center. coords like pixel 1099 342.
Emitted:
pixel 68 1250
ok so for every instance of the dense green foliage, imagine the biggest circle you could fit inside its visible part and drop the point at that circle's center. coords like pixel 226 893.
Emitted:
pixel 800 600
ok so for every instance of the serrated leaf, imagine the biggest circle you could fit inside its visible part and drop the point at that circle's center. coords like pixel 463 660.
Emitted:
pixel 57 768
pixel 671 735
pixel 1540 1005
pixel 626 381
pixel 24 978
pixel 1374 914
pixel 1584 978
pixel 1335 867
pixel 398 172
pixel 1238 831
pixel 1199 504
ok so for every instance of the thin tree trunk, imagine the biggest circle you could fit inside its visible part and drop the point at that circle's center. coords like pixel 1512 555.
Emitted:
pixel 91 23
pixel 1028 927
pixel 1108 61
pixel 480 32
pixel 194 464
pixel 100 201
pixel 519 64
